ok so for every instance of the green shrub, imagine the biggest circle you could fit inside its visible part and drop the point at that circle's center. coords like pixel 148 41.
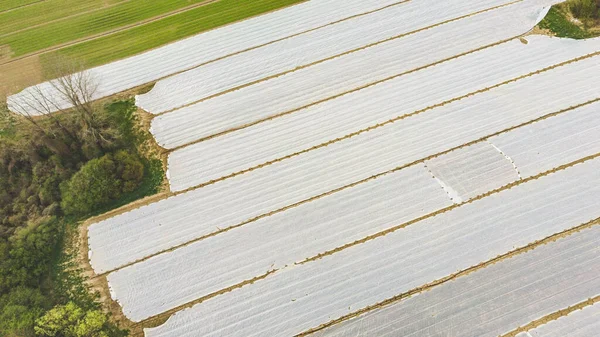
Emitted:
pixel 19 310
pixel 557 22
pixel 584 9
pixel 101 181
pixel 70 320
pixel 25 263
pixel 26 259
pixel 130 171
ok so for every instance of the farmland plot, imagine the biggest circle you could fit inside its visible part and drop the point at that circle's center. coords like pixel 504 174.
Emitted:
pixel 209 46
pixel 472 171
pixel 333 159
pixel 416 93
pixel 292 91
pixel 495 300
pixel 13 4
pixel 580 323
pixel 271 243
pixel 308 295
pixel 306 49
pixel 45 11
pixel 231 202
pixel 544 145
pixel 222 261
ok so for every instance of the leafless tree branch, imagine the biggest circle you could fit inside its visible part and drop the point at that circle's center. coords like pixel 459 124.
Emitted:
pixel 71 87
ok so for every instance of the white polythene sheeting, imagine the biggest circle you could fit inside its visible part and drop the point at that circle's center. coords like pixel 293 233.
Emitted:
pixel 305 49
pixel 580 323
pixel 473 170
pixel 188 216
pixel 215 263
pixel 236 151
pixel 544 144
pixel 497 299
pixel 210 265
pixel 182 55
pixel 305 296
pixel 336 76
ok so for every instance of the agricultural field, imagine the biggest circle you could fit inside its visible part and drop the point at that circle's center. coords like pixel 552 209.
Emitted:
pixel 346 167
pixel 14 4
pixel 34 33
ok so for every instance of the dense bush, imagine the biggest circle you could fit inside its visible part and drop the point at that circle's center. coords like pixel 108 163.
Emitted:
pixel 584 9
pixel 25 263
pixel 29 185
pixel 25 258
pixel 19 310
pixel 70 320
pixel 101 181
pixel 48 168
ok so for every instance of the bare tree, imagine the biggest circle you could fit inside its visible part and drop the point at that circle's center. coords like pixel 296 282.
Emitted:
pixel 34 103
pixel 10 120
pixel 73 88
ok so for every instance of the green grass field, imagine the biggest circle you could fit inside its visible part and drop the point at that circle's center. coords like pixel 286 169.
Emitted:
pixel 10 4
pixel 47 11
pixel 95 32
pixel 56 22
pixel 92 23
pixel 558 24
pixel 155 34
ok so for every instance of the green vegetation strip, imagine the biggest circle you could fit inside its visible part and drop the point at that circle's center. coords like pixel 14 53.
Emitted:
pixel 558 23
pixel 93 23
pixel 10 4
pixel 43 12
pixel 155 34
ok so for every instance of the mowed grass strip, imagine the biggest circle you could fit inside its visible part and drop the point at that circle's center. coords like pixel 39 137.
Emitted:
pixel 10 4
pixel 96 22
pixel 46 11
pixel 160 32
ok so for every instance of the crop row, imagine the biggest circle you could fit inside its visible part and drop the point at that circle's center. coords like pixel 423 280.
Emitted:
pixel 306 49
pixel 584 322
pixel 209 46
pixel 291 92
pixel 401 110
pixel 231 202
pixel 47 11
pixel 301 233
pixel 305 296
pixel 499 298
